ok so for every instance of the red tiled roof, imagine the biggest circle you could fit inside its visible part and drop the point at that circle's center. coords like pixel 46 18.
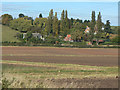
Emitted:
pixel 69 36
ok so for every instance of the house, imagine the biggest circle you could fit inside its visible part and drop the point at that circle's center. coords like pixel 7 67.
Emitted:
pixel 87 30
pixel 36 35
pixel 68 38
pixel 89 43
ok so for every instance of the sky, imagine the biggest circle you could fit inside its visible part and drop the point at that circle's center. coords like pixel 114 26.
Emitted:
pixel 81 10
pixel 60 0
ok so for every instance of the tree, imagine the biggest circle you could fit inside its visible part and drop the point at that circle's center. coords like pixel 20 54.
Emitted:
pixel 99 27
pixel 55 25
pixel 49 23
pixel 20 24
pixel 66 30
pixel 92 27
pixel 40 26
pixel 71 23
pixel 107 27
pixel 78 20
pixel 77 35
pixel 62 23
pixel 93 18
pixel 40 22
pixel 99 23
pixel 78 26
pixel 21 15
pixel 93 21
pixel 6 18
pixel 28 36
pixel 31 19
pixel 40 16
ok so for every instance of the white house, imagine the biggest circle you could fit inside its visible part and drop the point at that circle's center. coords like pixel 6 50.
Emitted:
pixel 36 35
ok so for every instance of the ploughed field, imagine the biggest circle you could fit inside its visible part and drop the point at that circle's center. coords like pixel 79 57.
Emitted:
pixel 83 56
pixel 52 67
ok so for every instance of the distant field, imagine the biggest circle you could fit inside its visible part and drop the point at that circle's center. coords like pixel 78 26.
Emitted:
pixel 8 34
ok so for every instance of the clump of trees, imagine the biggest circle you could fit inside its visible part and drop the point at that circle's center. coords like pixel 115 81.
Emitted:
pixel 20 24
pixel 6 18
pixel 51 28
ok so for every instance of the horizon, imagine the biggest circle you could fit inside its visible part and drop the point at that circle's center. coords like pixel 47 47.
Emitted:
pixel 80 10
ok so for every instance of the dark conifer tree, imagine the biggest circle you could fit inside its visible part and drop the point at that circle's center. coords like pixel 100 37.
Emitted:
pixel 107 27
pixel 21 15
pixel 40 16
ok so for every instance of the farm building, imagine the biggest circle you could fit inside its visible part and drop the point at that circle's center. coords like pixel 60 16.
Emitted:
pixel 87 30
pixel 36 35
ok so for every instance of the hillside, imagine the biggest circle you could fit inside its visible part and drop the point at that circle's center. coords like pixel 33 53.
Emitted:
pixel 8 34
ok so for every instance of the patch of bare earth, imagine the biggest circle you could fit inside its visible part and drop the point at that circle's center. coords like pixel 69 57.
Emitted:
pixel 96 57
pixel 82 83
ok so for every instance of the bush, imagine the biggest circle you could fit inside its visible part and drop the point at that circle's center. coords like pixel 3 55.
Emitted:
pixel 5 82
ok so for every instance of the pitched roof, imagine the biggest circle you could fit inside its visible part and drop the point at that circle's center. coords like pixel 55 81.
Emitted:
pixel 87 29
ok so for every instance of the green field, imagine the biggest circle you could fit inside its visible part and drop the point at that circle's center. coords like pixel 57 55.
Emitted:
pixel 48 75
pixel 8 34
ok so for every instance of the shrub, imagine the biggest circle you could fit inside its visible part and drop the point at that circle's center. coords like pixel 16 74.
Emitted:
pixel 5 82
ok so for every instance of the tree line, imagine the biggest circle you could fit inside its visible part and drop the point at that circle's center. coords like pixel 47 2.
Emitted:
pixel 52 27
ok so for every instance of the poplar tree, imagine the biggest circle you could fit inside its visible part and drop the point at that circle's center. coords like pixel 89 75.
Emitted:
pixel 99 23
pixel 49 23
pixel 62 23
pixel 55 25
pixel 99 27
pixel 93 22
pixel 66 30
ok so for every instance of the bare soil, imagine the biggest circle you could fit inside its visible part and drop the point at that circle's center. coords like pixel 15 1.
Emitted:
pixel 83 56
pixel 82 83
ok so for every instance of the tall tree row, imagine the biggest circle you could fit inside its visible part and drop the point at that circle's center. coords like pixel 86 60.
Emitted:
pixel 92 26
pixel 99 27
pixel 93 21
pixel 62 23
pixel 99 23
pixel 55 25
pixel 49 23
pixel 66 23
